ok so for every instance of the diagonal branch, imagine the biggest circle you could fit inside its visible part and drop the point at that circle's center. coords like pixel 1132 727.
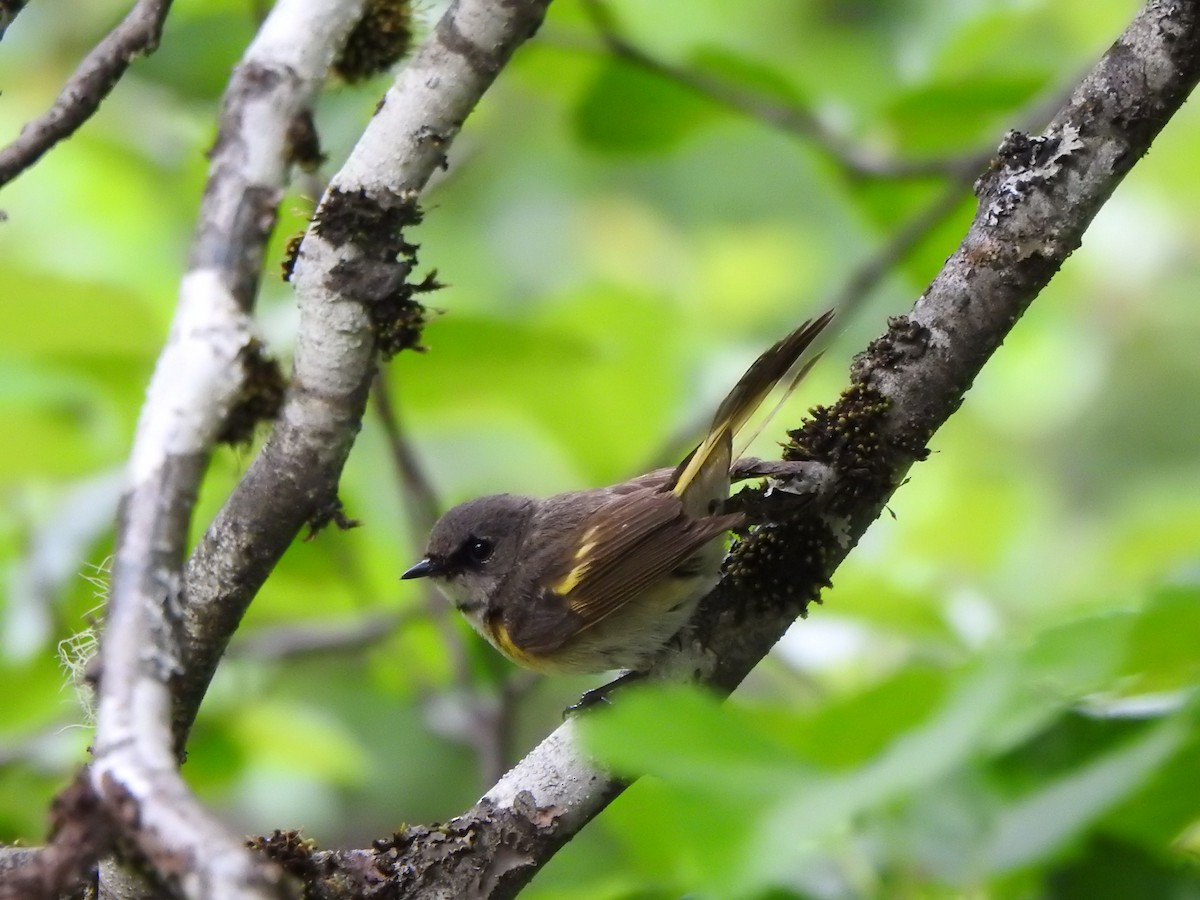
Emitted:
pixel 1035 203
pixel 97 75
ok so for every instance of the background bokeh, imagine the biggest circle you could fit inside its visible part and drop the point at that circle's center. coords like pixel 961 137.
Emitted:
pixel 997 698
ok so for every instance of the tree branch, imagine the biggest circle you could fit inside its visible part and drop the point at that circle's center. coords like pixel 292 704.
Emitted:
pixel 421 504
pixel 292 641
pixel 199 381
pixel 489 715
pixel 80 97
pixel 345 267
pixel 1035 203
pixel 789 117
pixel 8 12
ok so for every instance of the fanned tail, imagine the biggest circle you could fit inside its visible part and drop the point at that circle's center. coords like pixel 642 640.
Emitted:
pixel 745 440
pixel 747 395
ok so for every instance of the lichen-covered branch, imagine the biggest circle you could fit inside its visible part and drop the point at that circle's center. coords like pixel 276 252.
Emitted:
pixel 211 360
pixel 138 33
pixel 1035 202
pixel 352 280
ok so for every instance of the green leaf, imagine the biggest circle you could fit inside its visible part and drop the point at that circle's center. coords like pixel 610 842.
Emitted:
pixel 952 115
pixel 627 110
pixel 1163 643
pixel 1077 657
pixel 726 67
pixel 1161 813
pixel 273 733
pixel 946 739
pixel 1113 868
pixel 708 747
pixel 1037 825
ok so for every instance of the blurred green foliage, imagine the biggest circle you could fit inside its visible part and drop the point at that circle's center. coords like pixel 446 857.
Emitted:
pixel 998 698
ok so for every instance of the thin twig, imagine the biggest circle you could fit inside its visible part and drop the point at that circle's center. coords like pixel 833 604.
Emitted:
pixel 421 505
pixel 498 727
pixel 80 97
pixel 870 272
pixel 789 117
pixel 421 508
pixel 290 642
pixel 849 298
pixel 489 729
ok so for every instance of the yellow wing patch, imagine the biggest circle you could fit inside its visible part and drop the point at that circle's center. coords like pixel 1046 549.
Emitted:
pixel 583 556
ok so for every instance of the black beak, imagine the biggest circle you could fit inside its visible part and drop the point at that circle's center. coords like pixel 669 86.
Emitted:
pixel 423 569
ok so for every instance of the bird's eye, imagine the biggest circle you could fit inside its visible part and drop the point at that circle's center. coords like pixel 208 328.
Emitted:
pixel 479 550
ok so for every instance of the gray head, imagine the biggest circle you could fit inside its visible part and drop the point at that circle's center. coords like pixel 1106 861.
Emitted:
pixel 473 548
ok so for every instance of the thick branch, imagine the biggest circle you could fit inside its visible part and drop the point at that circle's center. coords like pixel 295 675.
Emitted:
pixel 80 97
pixel 1035 203
pixel 340 267
pixel 197 383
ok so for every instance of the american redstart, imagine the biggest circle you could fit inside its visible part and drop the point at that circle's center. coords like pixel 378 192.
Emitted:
pixel 601 579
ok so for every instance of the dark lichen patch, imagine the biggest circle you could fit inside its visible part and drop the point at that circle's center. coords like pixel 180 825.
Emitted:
pixel 329 513
pixel 263 386
pixel 373 223
pixel 399 319
pixel 422 859
pixel 429 843
pixel 291 252
pixel 905 341
pixel 849 437
pixel 303 145
pixel 81 833
pixel 759 506
pixel 380 39
pixel 783 565
pixel 378 276
pixel 292 851
pixel 1024 166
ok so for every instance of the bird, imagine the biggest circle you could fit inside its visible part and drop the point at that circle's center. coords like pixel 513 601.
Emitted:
pixel 597 580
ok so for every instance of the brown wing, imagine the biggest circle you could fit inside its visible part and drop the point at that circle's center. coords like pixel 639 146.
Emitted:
pixel 622 549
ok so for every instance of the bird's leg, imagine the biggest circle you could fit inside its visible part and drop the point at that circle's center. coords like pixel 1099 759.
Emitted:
pixel 749 467
pixel 791 488
pixel 600 694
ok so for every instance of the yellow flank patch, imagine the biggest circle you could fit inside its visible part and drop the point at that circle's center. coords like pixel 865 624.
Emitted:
pixel 504 643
